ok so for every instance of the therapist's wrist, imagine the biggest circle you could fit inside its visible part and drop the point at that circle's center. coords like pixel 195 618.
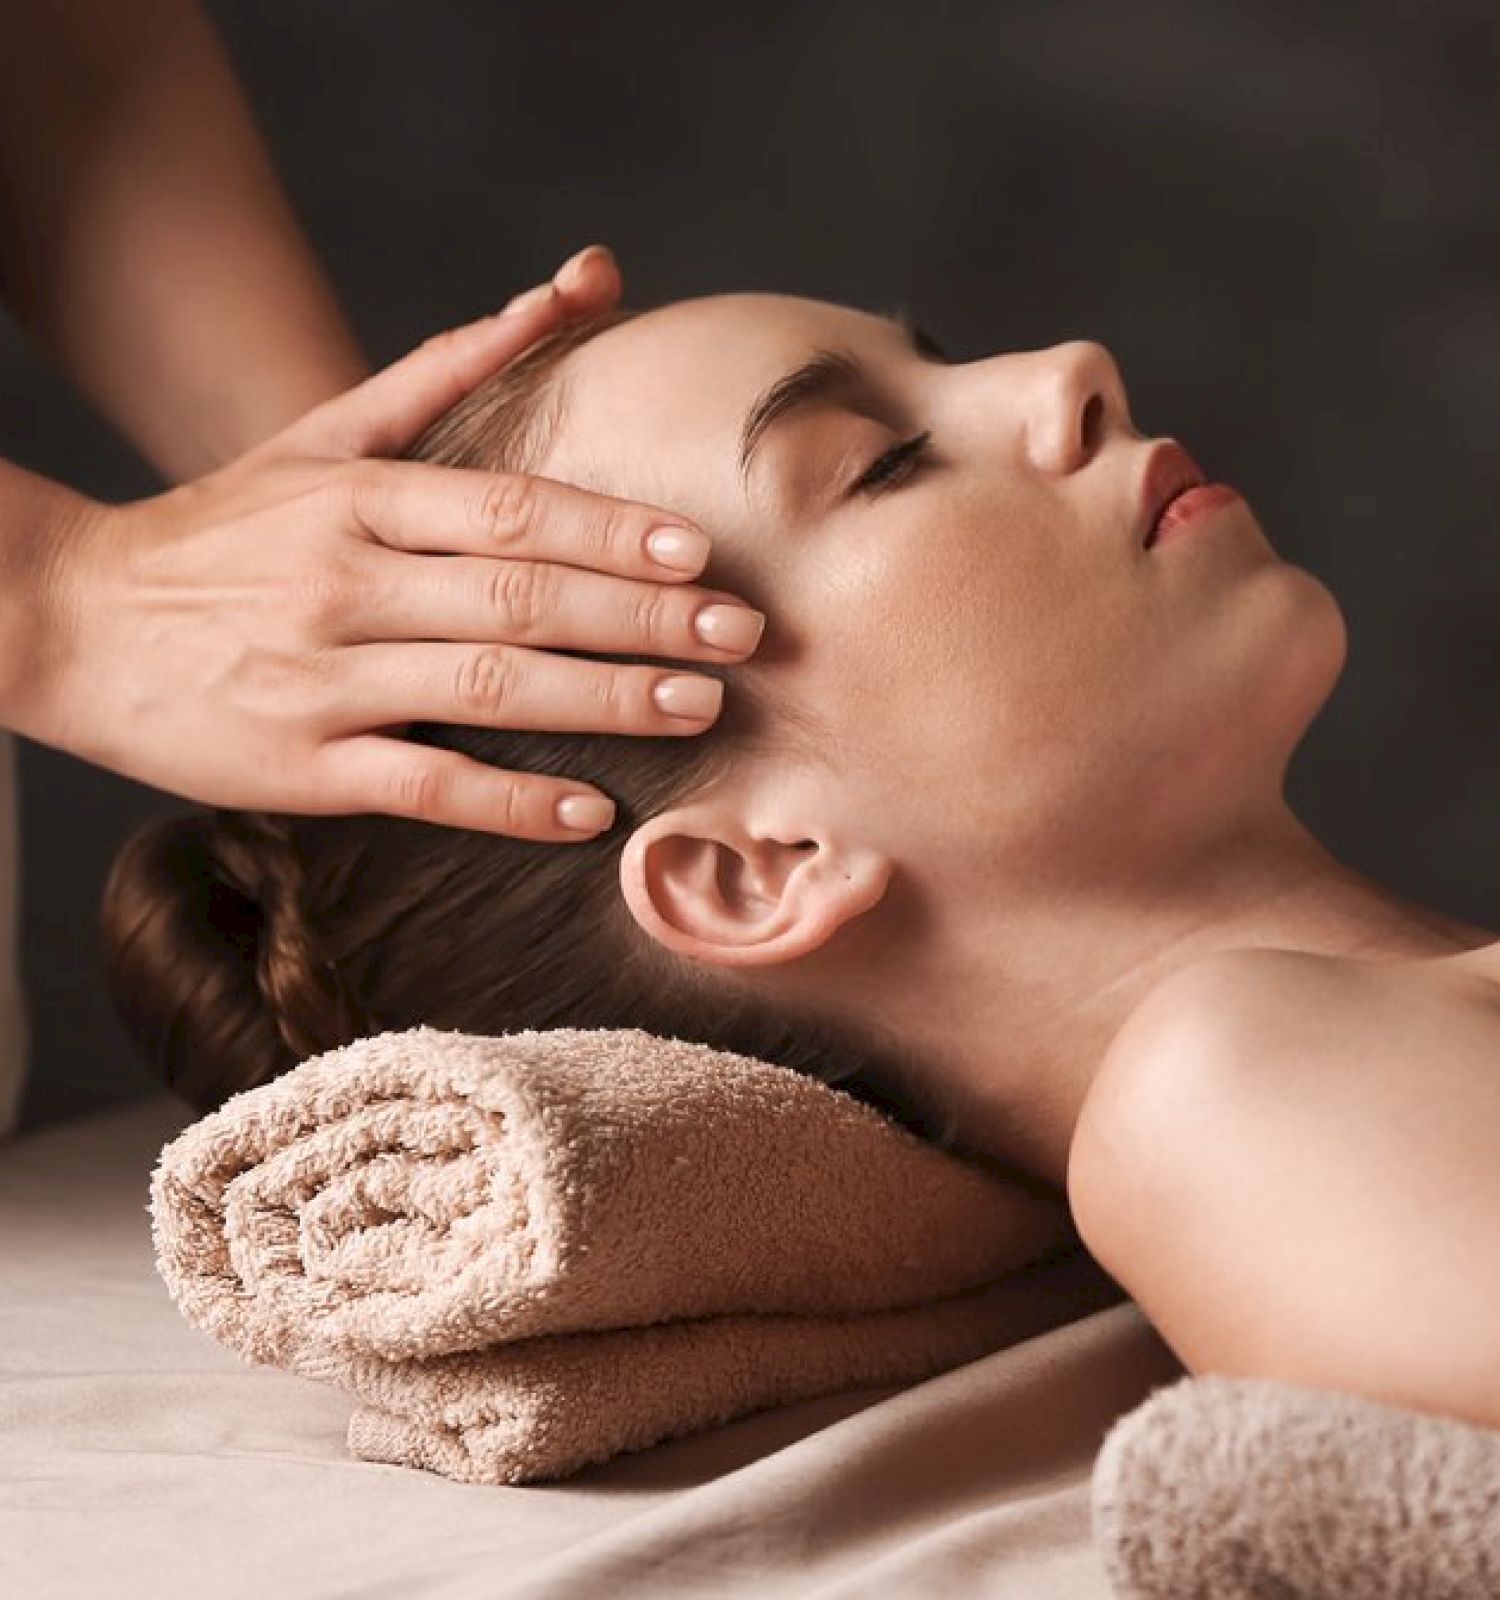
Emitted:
pixel 42 526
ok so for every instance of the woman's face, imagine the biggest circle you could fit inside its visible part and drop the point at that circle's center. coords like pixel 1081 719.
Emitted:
pixel 1014 687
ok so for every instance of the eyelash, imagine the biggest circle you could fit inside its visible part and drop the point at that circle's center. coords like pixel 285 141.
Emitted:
pixel 894 466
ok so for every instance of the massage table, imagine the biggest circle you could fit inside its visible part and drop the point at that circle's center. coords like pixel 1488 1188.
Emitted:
pixel 140 1458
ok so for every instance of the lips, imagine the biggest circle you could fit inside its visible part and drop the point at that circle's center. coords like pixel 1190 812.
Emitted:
pixel 1169 472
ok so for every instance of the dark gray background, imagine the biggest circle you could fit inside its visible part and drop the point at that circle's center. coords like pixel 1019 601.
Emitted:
pixel 1284 220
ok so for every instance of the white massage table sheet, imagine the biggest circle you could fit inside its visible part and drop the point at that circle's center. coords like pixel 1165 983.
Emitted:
pixel 139 1458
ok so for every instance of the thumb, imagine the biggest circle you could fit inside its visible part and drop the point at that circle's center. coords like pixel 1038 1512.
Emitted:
pixel 385 413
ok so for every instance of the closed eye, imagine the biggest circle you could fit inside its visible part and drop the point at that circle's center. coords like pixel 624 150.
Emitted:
pixel 897 464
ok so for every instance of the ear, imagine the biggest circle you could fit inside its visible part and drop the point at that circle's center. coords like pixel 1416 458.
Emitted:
pixel 703 882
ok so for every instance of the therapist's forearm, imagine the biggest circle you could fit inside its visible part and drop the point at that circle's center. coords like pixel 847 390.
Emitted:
pixel 145 240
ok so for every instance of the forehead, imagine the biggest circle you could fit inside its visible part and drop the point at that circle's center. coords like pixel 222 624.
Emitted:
pixel 652 410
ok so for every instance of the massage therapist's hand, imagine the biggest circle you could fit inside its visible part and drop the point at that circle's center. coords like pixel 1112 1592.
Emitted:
pixel 253 639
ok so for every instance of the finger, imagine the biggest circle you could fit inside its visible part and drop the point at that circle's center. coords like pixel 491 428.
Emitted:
pixel 416 506
pixel 589 281
pixel 541 604
pixel 385 413
pixel 509 686
pixel 591 278
pixel 398 778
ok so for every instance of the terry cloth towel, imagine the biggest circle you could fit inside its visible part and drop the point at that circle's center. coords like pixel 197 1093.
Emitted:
pixel 1222 1488
pixel 527 1253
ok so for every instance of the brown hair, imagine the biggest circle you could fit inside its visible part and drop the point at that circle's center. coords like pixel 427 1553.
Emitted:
pixel 237 943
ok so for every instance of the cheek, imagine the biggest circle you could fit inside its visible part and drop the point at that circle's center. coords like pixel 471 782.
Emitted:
pixel 956 652
pixel 1006 634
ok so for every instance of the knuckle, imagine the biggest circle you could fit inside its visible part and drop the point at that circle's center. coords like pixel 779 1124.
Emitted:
pixel 507 507
pixel 609 694
pixel 359 483
pixel 440 344
pixel 488 679
pixel 326 508
pixel 419 789
pixel 319 668
pixel 283 688
pixel 522 593
pixel 651 612
pixel 363 475
pixel 513 814
pixel 324 594
pixel 608 531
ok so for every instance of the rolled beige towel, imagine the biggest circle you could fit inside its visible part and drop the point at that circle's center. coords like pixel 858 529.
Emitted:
pixel 1219 1488
pixel 527 1253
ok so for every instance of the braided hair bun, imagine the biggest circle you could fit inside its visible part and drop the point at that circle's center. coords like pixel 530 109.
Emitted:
pixel 209 958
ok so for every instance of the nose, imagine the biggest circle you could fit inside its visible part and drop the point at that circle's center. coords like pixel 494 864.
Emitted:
pixel 1079 394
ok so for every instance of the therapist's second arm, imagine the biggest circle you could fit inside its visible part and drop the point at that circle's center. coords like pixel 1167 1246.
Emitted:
pixel 145 241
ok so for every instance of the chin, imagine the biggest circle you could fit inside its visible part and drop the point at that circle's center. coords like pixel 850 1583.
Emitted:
pixel 1316 641
pixel 1301 644
pixel 1248 698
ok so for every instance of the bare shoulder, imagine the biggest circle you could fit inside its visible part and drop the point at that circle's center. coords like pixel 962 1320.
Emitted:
pixel 1268 1123
pixel 1222 1032
pixel 1256 1009
pixel 1234 1043
pixel 1290 1021
pixel 1216 1001
pixel 1231 1007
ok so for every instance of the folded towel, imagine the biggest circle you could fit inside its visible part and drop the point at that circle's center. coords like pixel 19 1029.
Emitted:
pixel 528 1253
pixel 1223 1488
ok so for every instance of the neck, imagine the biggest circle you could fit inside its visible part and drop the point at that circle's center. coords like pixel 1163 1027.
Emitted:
pixel 1015 1005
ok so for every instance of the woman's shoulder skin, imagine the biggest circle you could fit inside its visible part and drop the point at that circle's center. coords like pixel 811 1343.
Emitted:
pixel 1275 1008
pixel 1287 1160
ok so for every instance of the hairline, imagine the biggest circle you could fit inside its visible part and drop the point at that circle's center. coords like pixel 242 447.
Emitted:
pixel 804 733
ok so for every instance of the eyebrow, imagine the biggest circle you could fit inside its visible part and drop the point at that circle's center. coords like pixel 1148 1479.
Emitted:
pixel 821 375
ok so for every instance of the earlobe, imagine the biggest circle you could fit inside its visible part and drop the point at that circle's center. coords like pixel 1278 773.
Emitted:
pixel 705 888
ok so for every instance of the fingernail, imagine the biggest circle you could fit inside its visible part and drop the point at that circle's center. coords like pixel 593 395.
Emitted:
pixel 698 699
pixel 730 627
pixel 532 297
pixel 566 276
pixel 585 813
pixel 682 549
